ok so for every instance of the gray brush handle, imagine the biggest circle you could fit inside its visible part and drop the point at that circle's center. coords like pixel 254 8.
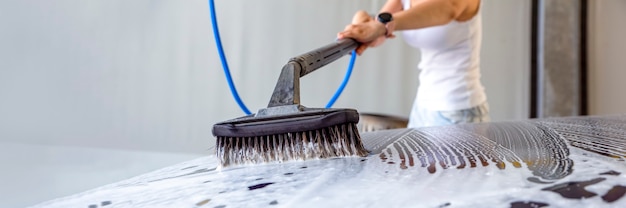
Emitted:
pixel 286 96
pixel 318 58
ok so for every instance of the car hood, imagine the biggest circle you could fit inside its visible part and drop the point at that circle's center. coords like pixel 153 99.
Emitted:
pixel 558 162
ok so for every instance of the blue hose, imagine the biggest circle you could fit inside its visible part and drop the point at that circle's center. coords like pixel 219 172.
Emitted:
pixel 229 78
pixel 218 41
pixel 344 82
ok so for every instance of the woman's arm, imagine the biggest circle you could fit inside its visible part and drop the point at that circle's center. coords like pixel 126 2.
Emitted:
pixel 392 6
pixel 427 13
pixel 421 14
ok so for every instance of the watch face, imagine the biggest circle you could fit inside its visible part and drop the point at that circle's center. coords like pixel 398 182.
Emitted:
pixel 385 17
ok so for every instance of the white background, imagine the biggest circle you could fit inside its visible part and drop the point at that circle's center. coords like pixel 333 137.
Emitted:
pixel 146 74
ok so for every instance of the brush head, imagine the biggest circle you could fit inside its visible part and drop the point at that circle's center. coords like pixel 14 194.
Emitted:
pixel 305 120
pixel 309 134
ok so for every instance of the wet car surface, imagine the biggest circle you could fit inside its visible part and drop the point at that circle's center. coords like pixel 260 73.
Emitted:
pixel 557 162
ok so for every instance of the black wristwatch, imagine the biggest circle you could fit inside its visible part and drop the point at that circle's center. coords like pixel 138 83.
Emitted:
pixel 385 17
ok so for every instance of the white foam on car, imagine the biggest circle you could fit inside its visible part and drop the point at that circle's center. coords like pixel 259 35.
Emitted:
pixel 565 162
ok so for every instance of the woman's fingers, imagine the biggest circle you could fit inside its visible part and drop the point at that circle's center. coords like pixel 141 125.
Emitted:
pixel 359 32
pixel 362 30
pixel 355 33
pixel 359 50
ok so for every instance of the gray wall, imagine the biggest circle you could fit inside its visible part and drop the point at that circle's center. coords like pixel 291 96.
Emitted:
pixel 607 65
pixel 145 74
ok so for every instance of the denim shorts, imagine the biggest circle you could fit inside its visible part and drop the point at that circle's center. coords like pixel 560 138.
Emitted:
pixel 421 117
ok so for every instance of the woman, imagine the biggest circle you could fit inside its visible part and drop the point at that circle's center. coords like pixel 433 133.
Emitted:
pixel 448 33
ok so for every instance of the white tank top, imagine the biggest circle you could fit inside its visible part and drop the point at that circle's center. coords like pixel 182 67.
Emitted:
pixel 449 67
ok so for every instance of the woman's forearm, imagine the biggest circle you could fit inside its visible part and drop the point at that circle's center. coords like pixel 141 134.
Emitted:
pixel 428 13
pixel 392 6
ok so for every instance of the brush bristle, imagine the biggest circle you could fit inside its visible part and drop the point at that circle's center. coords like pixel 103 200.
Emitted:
pixel 334 141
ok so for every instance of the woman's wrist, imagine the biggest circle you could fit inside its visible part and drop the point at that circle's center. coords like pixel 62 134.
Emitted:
pixel 381 30
pixel 387 20
pixel 389 29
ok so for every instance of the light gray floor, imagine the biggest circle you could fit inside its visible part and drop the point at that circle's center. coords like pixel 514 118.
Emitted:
pixel 35 173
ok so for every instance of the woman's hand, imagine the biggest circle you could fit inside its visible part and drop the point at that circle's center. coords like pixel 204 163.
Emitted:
pixel 366 30
pixel 361 17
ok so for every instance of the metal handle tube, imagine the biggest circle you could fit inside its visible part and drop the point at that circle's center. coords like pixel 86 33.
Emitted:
pixel 286 96
pixel 324 55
